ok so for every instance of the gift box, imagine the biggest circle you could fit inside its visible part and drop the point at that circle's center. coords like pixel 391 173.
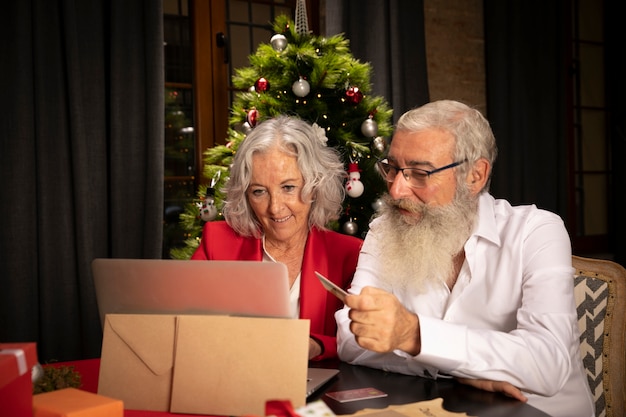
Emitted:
pixel 16 386
pixel 72 402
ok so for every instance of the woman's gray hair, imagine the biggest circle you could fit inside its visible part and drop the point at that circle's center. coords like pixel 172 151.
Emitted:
pixel 473 136
pixel 321 168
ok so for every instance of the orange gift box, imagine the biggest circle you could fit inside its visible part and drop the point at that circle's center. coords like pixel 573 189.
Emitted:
pixel 72 402
pixel 16 386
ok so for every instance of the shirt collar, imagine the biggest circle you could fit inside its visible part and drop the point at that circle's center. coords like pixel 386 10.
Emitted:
pixel 487 227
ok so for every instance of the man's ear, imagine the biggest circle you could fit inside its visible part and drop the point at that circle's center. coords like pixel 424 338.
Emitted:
pixel 478 175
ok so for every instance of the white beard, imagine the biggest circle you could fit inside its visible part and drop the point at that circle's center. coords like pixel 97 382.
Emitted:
pixel 416 252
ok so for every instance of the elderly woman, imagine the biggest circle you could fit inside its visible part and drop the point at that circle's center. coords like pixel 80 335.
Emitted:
pixel 285 185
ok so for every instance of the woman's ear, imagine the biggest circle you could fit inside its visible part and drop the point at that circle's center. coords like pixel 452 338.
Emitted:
pixel 478 175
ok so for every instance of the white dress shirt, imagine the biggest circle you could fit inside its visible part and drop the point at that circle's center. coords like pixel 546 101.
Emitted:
pixel 510 317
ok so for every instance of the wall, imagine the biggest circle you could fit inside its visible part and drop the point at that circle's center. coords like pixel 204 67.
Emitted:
pixel 455 51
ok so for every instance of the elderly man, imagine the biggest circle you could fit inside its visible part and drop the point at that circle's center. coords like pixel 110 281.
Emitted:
pixel 454 283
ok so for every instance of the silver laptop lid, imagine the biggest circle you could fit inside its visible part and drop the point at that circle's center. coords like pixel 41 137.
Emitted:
pixel 158 286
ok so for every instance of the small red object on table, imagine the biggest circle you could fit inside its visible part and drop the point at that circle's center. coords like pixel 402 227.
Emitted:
pixel 16 386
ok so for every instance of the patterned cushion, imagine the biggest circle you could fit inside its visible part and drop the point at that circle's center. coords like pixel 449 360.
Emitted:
pixel 591 304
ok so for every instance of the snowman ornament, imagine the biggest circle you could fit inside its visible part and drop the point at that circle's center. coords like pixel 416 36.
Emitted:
pixel 208 211
pixel 354 186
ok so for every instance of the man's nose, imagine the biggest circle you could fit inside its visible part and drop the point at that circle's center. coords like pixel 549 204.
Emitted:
pixel 399 188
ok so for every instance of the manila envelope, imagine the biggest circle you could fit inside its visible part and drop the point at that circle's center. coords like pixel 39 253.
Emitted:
pixel 231 366
pixel 137 358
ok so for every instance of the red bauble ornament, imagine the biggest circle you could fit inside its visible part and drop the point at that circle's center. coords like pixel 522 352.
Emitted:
pixel 262 85
pixel 354 95
pixel 252 117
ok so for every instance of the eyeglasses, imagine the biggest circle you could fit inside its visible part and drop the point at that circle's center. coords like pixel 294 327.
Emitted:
pixel 416 177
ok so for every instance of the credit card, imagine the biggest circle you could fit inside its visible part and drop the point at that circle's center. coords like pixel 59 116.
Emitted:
pixel 332 287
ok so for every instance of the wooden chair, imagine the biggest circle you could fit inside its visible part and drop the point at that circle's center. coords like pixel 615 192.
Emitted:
pixel 600 291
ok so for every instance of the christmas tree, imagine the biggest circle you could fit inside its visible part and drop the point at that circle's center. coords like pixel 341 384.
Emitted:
pixel 317 79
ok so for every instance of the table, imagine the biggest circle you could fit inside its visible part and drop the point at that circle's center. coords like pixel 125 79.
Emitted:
pixel 401 389
pixel 404 389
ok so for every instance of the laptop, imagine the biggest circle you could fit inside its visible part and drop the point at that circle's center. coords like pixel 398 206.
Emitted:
pixel 160 286
pixel 317 378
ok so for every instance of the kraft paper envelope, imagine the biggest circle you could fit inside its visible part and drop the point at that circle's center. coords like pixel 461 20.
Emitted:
pixel 233 365
pixel 137 359
pixel 429 408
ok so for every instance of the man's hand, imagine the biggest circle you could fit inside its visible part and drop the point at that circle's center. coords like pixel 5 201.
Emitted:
pixel 380 323
pixel 495 386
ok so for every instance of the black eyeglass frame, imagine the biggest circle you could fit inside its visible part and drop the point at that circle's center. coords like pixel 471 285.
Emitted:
pixel 382 165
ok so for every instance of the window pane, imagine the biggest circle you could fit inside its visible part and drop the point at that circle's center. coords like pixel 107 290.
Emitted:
pixel 177 49
pixel 593 141
pixel 261 14
pixel 592 75
pixel 240 45
pixel 261 35
pixel 594 204
pixel 590 20
pixel 180 141
pixel 179 133
pixel 238 11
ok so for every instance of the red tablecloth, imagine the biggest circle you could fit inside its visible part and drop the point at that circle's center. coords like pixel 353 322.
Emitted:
pixel 89 370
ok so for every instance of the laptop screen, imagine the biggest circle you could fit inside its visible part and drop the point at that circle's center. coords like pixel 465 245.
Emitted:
pixel 158 286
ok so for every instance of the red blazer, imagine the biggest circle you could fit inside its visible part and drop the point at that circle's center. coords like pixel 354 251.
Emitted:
pixel 332 254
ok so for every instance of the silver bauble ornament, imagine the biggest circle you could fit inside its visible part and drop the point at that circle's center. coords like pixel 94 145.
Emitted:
pixel 377 204
pixel 279 42
pixel 301 87
pixel 37 372
pixel 350 228
pixel 369 128
pixel 379 144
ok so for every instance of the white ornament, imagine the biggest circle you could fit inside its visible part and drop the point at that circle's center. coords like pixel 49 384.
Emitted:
pixel 301 87
pixel 320 133
pixel 208 211
pixel 279 42
pixel 354 186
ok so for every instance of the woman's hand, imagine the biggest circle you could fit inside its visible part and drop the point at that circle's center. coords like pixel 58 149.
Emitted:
pixel 495 386
pixel 314 348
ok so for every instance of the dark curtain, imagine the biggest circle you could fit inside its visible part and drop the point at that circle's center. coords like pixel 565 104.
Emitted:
pixel 527 55
pixel 81 161
pixel 390 36
pixel 616 71
pixel 527 74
